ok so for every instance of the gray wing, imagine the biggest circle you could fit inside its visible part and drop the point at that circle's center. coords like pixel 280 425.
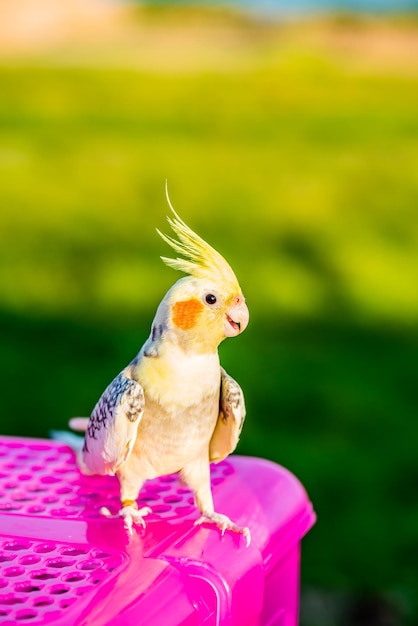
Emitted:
pixel 230 421
pixel 113 425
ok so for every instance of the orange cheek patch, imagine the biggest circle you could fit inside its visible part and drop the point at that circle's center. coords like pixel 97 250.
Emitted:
pixel 185 313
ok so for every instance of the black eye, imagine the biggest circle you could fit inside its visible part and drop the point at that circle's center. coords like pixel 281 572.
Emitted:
pixel 210 298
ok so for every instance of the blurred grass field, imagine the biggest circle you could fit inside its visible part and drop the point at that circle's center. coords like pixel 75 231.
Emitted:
pixel 293 149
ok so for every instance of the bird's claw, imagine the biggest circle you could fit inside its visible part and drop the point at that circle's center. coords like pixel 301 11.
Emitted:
pixel 224 523
pixel 131 515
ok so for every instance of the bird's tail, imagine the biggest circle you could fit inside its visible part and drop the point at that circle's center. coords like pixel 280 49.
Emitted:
pixel 75 442
pixel 79 424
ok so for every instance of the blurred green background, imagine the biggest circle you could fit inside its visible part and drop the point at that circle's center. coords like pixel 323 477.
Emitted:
pixel 292 147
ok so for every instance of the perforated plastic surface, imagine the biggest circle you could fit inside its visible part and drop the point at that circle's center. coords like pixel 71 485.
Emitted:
pixel 62 562
pixel 42 479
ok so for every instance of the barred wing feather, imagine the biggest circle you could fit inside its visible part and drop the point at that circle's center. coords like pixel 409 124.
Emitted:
pixel 230 421
pixel 113 425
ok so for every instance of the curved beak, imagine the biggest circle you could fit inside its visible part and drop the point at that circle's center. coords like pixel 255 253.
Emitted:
pixel 236 318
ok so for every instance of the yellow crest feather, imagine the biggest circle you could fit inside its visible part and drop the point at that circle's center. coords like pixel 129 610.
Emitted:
pixel 201 260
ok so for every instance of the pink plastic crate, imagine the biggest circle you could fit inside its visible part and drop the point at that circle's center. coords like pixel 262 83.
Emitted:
pixel 62 563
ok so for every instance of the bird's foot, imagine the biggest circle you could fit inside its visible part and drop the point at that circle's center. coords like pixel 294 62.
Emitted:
pixel 130 514
pixel 224 523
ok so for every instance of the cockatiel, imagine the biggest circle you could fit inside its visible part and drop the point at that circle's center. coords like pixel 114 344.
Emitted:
pixel 173 408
